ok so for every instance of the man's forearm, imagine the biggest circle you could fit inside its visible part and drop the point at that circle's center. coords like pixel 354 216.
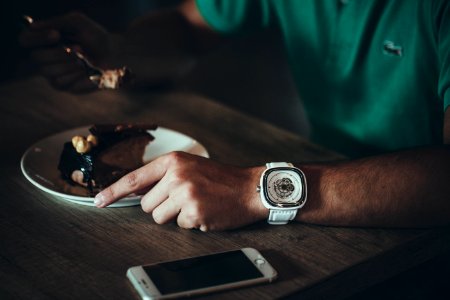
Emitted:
pixel 405 189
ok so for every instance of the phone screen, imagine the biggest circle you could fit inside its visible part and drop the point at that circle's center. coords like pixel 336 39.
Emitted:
pixel 201 272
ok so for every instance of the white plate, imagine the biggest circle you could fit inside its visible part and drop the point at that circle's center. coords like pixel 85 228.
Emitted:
pixel 39 164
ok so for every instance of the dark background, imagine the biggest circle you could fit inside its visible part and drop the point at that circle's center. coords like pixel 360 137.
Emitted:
pixel 249 69
pixel 112 14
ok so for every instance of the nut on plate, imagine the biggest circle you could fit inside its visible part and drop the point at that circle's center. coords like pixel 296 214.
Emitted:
pixel 76 139
pixel 92 139
pixel 83 146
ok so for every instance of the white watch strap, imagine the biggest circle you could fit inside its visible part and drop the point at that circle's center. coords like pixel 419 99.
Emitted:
pixel 278 164
pixel 281 217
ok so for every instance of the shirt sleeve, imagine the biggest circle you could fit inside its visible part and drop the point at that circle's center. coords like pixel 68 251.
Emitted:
pixel 443 39
pixel 235 17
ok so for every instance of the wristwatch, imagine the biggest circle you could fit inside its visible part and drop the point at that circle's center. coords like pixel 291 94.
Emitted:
pixel 283 191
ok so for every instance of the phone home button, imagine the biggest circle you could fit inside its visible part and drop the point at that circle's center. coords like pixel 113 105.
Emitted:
pixel 260 261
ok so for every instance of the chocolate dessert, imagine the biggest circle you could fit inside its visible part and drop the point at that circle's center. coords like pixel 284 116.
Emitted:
pixel 105 155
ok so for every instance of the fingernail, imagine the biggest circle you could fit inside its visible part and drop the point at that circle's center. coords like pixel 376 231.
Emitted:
pixel 99 200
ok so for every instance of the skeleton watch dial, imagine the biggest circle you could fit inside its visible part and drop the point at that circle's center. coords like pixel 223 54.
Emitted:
pixel 284 187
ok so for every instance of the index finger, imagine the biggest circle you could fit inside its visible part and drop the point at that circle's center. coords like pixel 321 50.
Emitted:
pixel 132 182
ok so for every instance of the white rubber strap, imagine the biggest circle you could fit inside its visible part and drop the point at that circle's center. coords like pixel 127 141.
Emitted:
pixel 278 164
pixel 280 217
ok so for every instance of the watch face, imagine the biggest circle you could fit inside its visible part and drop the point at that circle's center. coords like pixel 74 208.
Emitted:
pixel 284 187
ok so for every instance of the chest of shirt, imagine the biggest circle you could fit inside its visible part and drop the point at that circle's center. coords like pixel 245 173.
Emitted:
pixel 370 37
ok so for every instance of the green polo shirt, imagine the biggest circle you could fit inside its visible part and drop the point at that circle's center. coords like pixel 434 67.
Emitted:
pixel 374 75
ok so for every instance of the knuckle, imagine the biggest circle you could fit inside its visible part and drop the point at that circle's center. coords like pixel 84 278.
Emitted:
pixel 174 183
pixel 191 190
pixel 175 157
pixel 181 175
pixel 178 178
pixel 194 212
pixel 131 180
pixel 109 193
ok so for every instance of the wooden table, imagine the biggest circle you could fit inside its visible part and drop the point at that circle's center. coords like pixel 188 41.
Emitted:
pixel 53 249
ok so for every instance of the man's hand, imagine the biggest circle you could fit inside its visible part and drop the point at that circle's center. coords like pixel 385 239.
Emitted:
pixel 47 41
pixel 195 191
pixel 158 47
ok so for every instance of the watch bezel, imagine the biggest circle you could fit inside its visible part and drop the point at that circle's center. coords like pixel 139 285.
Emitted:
pixel 297 204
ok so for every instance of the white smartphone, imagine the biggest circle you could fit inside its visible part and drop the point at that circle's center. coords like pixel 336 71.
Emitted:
pixel 201 274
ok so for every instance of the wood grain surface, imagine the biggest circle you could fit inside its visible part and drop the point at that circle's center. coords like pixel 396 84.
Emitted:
pixel 53 249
